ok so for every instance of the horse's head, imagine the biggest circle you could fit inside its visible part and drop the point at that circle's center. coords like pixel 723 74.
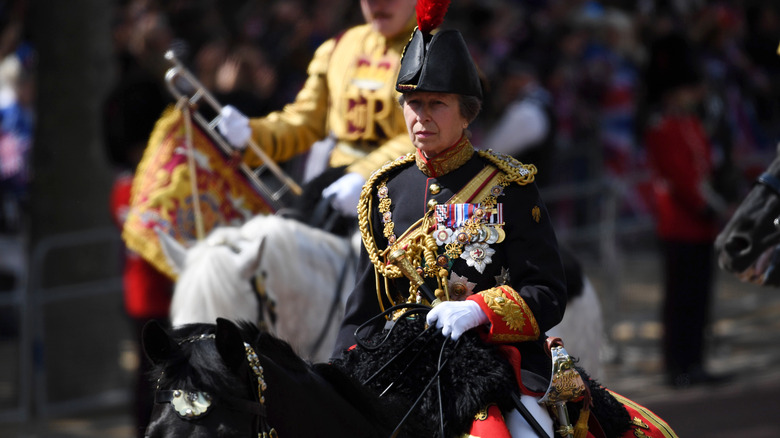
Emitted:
pixel 209 381
pixel 229 380
pixel 214 277
pixel 747 243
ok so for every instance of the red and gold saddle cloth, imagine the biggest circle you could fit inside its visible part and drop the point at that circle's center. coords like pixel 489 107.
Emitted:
pixel 644 423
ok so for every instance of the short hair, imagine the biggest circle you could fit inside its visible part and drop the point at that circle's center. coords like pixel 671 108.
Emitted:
pixel 469 106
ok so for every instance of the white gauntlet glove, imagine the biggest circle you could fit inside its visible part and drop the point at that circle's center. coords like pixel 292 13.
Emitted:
pixel 234 126
pixel 346 193
pixel 456 317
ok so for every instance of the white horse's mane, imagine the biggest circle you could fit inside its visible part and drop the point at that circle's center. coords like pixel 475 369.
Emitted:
pixel 307 273
pixel 212 285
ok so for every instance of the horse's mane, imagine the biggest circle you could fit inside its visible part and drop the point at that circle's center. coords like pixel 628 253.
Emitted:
pixel 464 393
pixel 196 366
pixel 209 269
pixel 283 353
pixel 386 411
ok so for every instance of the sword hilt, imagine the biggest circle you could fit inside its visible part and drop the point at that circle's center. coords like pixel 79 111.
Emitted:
pixel 399 259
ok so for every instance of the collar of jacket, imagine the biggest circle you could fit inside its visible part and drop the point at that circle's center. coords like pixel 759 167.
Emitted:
pixel 447 161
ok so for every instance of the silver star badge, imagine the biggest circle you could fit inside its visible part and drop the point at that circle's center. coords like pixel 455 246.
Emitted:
pixel 478 255
pixel 459 287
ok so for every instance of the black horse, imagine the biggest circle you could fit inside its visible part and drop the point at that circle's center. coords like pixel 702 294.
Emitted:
pixel 212 367
pixel 229 380
pixel 747 245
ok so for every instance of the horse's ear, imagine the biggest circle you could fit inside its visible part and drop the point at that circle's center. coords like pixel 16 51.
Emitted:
pixel 250 256
pixel 158 345
pixel 175 253
pixel 230 344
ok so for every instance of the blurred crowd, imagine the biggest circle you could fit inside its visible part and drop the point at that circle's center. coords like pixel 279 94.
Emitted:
pixel 595 60
pixel 17 116
pixel 592 57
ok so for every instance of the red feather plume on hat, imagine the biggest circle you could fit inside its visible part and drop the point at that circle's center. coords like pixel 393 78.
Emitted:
pixel 430 14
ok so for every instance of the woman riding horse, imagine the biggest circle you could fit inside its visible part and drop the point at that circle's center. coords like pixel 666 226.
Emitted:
pixel 471 223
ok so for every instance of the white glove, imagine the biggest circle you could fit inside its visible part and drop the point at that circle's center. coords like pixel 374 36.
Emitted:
pixel 456 317
pixel 234 126
pixel 346 193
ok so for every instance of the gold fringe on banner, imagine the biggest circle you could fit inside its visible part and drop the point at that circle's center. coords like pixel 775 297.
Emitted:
pixel 162 192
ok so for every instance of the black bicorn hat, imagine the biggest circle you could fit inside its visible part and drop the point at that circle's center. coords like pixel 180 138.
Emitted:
pixel 440 63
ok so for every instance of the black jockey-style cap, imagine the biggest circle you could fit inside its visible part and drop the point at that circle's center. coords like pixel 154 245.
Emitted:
pixel 438 62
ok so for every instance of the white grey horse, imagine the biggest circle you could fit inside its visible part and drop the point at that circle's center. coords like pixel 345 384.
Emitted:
pixel 305 274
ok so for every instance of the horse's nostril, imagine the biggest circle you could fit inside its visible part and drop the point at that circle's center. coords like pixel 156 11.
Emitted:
pixel 736 244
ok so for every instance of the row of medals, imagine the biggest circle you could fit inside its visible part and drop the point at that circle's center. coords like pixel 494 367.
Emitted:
pixel 473 232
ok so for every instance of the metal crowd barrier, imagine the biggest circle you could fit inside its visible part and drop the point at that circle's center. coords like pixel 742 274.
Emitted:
pixel 32 299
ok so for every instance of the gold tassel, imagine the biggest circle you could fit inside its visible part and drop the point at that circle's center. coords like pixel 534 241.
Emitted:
pixel 581 428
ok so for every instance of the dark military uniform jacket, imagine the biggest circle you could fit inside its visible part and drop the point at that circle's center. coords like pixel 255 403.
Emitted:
pixel 485 235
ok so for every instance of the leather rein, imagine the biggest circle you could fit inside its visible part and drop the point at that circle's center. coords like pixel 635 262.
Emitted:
pixel 414 309
pixel 441 363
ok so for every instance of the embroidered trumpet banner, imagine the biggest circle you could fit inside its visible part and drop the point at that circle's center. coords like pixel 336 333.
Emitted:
pixel 162 194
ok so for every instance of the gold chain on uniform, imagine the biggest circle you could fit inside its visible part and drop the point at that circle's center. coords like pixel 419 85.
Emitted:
pixel 510 172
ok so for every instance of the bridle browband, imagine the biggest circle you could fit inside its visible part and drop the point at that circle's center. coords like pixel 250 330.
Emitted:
pixel 191 405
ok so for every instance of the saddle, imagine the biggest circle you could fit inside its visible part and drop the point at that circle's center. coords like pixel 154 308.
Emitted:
pixel 612 414
pixel 402 361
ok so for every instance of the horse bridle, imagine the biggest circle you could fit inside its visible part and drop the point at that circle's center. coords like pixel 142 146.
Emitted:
pixel 266 302
pixel 190 405
pixel 771 182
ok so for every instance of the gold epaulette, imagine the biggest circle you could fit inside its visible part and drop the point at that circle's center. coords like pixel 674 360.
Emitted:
pixel 515 171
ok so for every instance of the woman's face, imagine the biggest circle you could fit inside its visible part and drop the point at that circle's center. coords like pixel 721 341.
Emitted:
pixel 434 120
pixel 388 17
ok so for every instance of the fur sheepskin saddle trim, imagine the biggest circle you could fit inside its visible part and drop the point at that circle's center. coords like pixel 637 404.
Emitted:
pixel 612 416
pixel 403 361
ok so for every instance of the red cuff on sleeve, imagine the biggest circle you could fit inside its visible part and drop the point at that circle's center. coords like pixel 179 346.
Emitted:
pixel 510 318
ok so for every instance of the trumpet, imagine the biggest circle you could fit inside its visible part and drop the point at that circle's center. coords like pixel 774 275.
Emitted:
pixel 178 77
